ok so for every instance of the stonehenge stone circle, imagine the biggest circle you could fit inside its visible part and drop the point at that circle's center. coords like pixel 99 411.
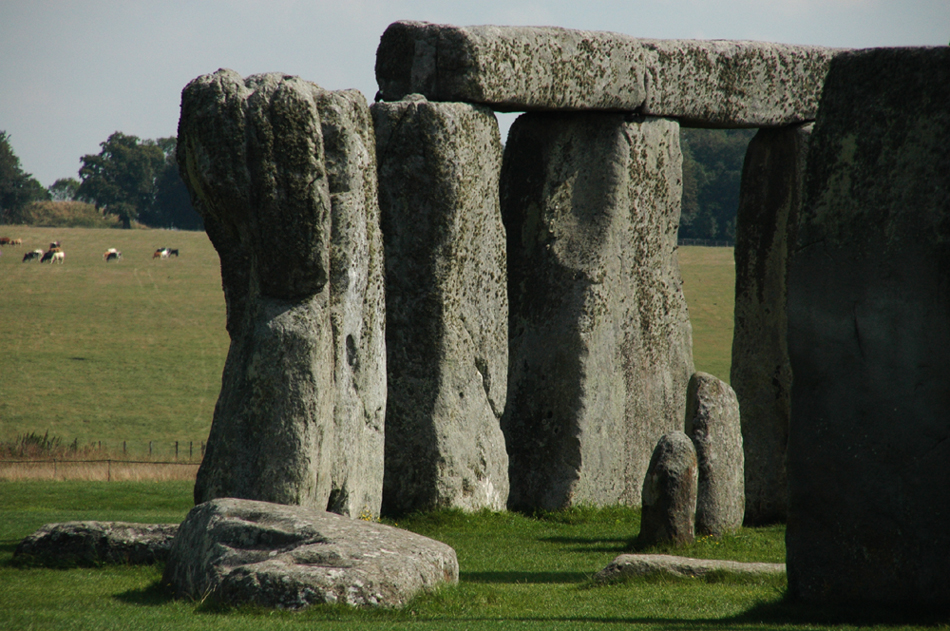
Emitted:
pixel 627 566
pixel 868 337
pixel 769 199
pixel 599 335
pixel 284 174
pixel 248 552
pixel 447 306
pixel 669 493
pixel 516 68
pixel 712 423
pixel 93 543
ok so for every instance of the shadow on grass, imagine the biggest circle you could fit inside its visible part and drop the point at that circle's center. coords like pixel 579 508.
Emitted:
pixel 590 544
pixel 786 611
pixel 536 578
pixel 152 595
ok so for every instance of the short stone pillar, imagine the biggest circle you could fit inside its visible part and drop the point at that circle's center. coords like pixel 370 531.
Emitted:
pixel 869 338
pixel 284 174
pixel 600 339
pixel 447 320
pixel 769 199
pixel 712 423
pixel 669 493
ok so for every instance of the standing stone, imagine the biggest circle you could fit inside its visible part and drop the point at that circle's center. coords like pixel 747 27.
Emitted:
pixel 761 375
pixel 283 174
pixel 600 340
pixel 447 308
pixel 669 493
pixel 712 422
pixel 869 338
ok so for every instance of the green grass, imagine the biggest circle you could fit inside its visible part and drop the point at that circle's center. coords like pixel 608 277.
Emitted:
pixel 125 351
pixel 709 283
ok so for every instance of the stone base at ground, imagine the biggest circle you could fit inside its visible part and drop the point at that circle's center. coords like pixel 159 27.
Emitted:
pixel 628 566
pixel 272 555
pixel 96 543
pixel 669 493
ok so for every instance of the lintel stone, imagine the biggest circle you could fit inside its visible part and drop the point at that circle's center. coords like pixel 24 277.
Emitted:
pixel 703 83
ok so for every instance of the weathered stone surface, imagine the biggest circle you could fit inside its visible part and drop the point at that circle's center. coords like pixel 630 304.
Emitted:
pixel 515 68
pixel 669 493
pixel 96 543
pixel 712 422
pixel 627 566
pixel 247 552
pixel 447 307
pixel 600 340
pixel 769 199
pixel 283 173
pixel 868 336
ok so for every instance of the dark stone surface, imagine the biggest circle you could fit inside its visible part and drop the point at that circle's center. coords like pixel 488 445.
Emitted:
pixel 669 493
pixel 769 200
pixel 599 335
pixel 246 552
pixel 869 337
pixel 91 543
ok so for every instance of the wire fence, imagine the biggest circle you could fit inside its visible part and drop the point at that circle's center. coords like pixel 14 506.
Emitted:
pixel 106 469
pixel 709 243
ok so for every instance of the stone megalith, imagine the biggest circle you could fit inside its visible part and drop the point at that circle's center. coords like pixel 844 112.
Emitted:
pixel 92 543
pixel 712 422
pixel 447 307
pixel 711 83
pixel 669 493
pixel 769 199
pixel 599 336
pixel 283 173
pixel 869 336
pixel 243 552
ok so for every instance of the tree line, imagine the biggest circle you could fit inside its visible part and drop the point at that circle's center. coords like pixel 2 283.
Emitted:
pixel 138 181
pixel 133 180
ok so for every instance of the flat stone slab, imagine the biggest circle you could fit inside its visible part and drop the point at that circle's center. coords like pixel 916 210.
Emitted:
pixel 705 83
pixel 637 565
pixel 96 543
pixel 272 555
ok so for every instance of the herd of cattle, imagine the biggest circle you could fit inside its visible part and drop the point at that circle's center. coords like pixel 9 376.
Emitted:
pixel 55 252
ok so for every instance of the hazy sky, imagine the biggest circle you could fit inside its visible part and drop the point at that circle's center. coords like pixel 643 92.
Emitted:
pixel 72 73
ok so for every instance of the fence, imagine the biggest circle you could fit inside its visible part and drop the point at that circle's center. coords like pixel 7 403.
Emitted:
pixel 709 243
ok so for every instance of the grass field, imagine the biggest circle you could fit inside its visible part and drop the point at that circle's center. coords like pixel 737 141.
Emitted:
pixel 133 350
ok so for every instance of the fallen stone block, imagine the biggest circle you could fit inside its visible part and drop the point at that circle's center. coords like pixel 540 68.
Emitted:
pixel 91 543
pixel 272 555
pixel 447 306
pixel 515 68
pixel 627 566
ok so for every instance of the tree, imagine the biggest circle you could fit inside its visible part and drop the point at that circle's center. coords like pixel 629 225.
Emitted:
pixel 171 206
pixel 120 180
pixel 712 173
pixel 64 189
pixel 17 189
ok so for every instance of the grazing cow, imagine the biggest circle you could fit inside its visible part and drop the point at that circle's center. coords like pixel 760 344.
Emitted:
pixel 113 256
pixel 55 245
pixel 59 257
pixel 35 254
pixel 173 252
pixel 4 240
pixel 106 257
pixel 16 242
pixel 48 255
pixel 160 253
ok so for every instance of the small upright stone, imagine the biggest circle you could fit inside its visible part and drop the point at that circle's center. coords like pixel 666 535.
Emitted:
pixel 447 304
pixel 712 422
pixel 669 493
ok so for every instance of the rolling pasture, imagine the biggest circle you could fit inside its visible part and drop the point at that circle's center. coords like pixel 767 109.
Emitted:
pixel 132 350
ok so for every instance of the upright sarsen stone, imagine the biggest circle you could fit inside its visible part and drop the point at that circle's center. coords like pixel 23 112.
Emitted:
pixel 869 337
pixel 447 307
pixel 600 340
pixel 283 173
pixel 769 199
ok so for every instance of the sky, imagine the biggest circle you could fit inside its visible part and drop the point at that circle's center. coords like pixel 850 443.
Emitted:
pixel 73 72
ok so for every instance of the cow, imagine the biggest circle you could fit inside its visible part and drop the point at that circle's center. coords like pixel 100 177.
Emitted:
pixel 160 253
pixel 55 245
pixel 48 255
pixel 35 254
pixel 4 240
pixel 58 257
pixel 16 241
pixel 173 252
pixel 113 256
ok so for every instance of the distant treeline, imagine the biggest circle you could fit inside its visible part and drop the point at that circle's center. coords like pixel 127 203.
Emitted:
pixel 130 181
pixel 137 181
